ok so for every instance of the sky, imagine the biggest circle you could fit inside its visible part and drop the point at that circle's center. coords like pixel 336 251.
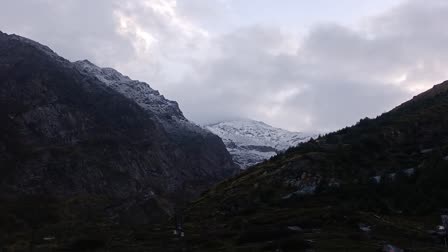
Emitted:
pixel 297 64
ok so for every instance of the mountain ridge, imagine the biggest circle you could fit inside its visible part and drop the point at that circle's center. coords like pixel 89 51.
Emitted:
pixel 66 133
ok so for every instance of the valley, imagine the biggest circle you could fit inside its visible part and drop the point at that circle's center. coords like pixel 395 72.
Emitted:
pixel 92 160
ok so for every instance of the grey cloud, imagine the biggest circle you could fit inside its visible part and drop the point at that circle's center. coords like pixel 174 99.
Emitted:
pixel 75 29
pixel 330 83
pixel 343 74
pixel 328 79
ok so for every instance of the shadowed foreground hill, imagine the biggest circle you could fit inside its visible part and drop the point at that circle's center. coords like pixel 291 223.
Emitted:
pixel 389 173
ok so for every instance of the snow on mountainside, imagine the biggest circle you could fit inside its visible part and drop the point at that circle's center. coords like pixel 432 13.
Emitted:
pixel 250 142
pixel 167 111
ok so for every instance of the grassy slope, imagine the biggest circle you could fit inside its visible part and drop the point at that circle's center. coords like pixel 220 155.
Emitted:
pixel 401 210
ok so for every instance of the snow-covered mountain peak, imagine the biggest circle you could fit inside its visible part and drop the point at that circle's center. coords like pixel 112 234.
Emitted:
pixel 253 132
pixel 250 141
pixel 167 111
pixel 148 98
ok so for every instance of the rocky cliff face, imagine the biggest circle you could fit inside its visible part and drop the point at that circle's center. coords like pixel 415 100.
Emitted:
pixel 73 128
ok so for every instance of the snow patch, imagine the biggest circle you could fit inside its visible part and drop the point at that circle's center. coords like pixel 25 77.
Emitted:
pixel 251 142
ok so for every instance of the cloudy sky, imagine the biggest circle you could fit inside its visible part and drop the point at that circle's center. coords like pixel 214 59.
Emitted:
pixel 302 65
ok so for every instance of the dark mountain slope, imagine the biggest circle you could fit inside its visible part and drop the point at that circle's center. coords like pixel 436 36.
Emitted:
pixel 53 121
pixel 65 134
pixel 199 148
pixel 390 172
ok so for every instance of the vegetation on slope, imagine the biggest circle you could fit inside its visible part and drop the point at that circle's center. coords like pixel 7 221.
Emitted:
pixel 388 173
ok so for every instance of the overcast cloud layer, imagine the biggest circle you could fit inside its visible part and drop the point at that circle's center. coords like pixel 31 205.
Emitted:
pixel 218 65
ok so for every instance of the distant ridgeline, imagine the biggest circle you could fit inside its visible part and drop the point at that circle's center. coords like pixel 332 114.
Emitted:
pixel 251 142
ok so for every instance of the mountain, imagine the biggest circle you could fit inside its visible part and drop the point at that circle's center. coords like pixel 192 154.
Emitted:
pixel 87 163
pixel 251 142
pixel 74 130
pixel 202 149
pixel 382 181
pixel 167 112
